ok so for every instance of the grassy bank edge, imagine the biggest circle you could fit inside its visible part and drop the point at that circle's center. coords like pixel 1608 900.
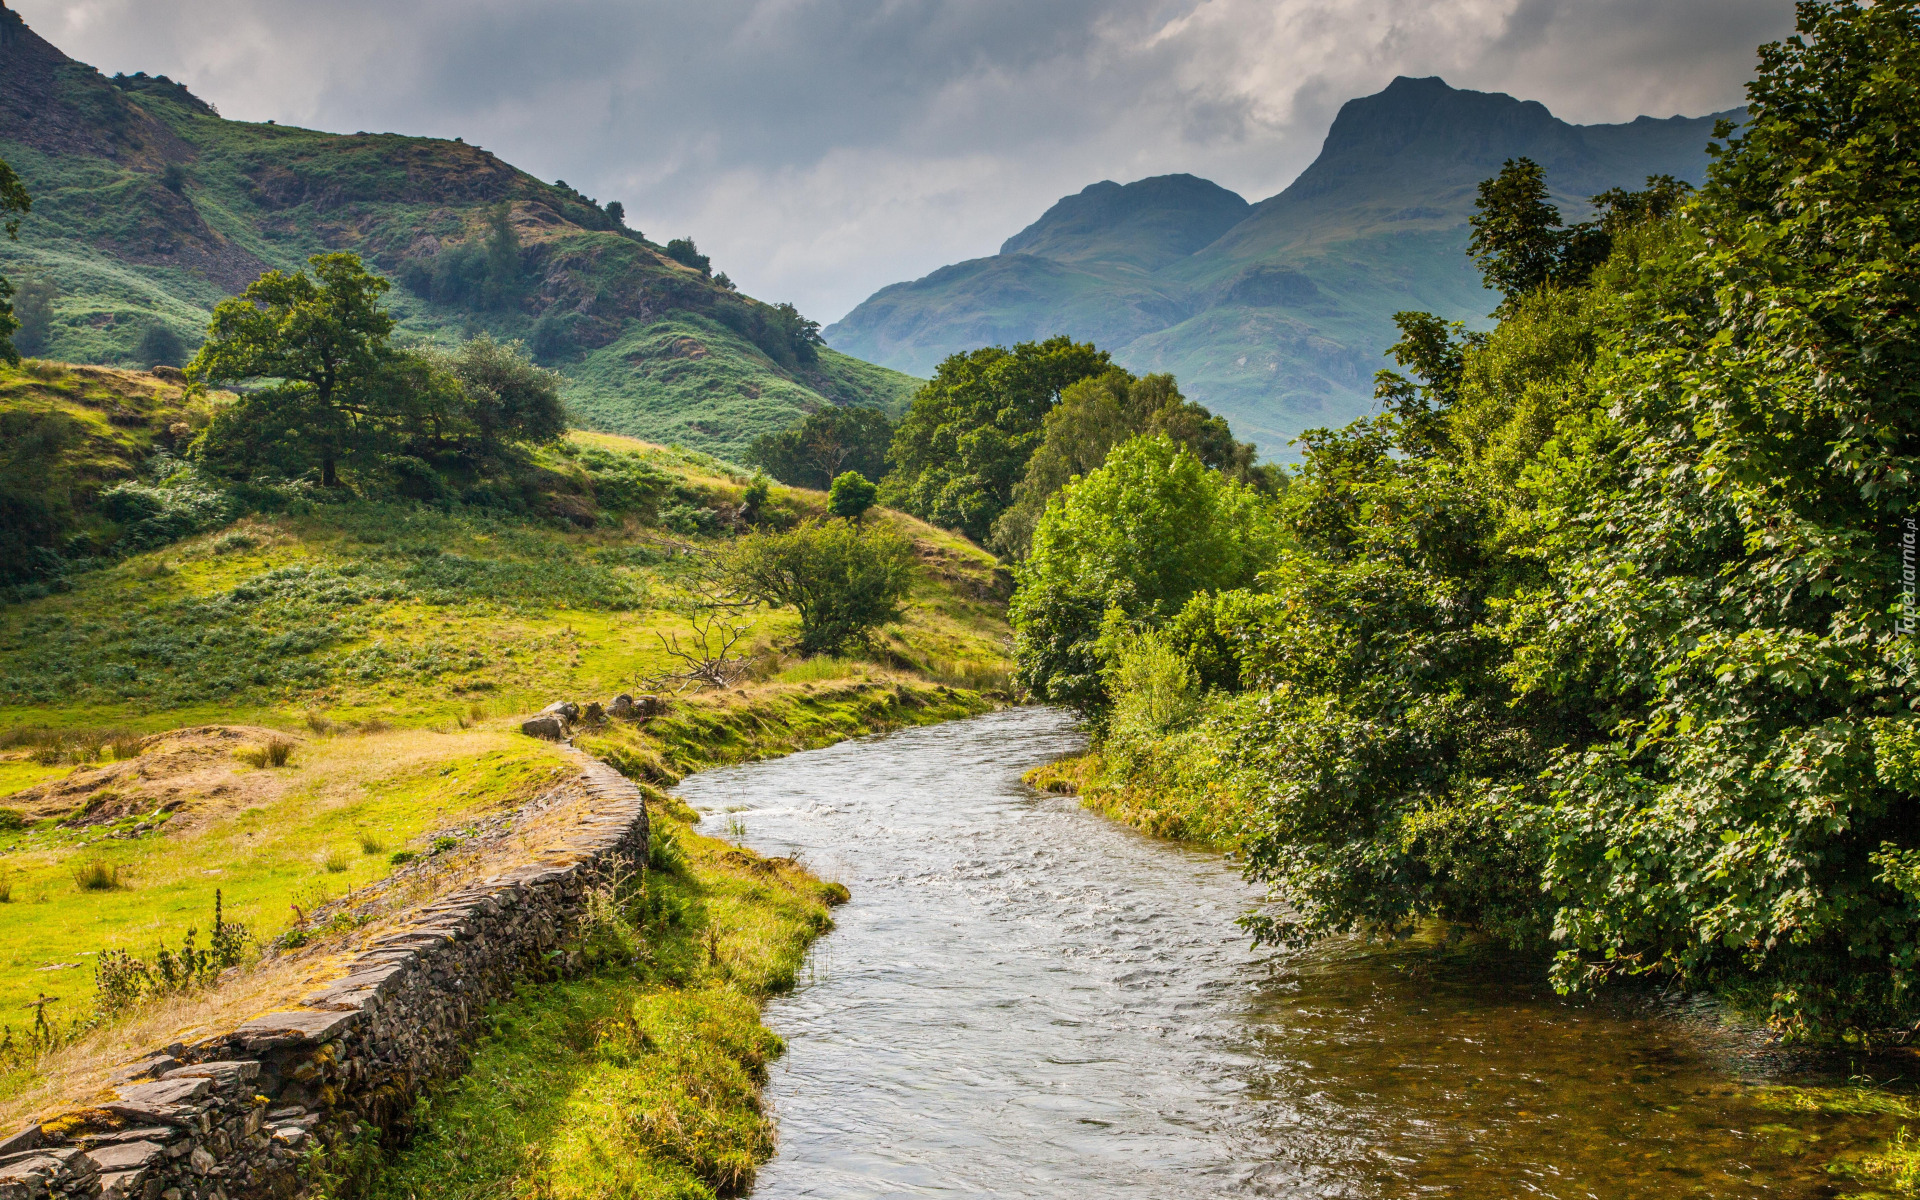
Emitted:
pixel 643 1078
pixel 1182 814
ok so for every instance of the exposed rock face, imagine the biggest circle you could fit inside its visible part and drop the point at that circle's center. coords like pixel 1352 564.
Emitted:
pixel 232 1117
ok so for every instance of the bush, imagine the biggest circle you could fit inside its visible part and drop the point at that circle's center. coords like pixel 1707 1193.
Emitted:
pixel 156 514
pixel 1135 539
pixel 684 252
pixel 851 496
pixel 845 582
pixel 160 346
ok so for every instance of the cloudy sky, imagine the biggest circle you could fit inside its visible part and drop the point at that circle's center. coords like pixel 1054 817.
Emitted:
pixel 819 149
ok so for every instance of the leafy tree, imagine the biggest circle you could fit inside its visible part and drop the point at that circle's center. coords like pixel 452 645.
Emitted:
pixel 510 398
pixel 1136 539
pixel 844 581
pixel 1523 245
pixel 825 444
pixel 33 308
pixel 325 335
pixel 686 253
pixel 14 202
pixel 161 346
pixel 617 213
pixel 966 439
pixel 504 285
pixel 851 496
pixel 1098 413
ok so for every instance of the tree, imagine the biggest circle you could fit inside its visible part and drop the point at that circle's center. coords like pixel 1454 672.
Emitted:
pixel 1136 538
pixel 1097 414
pixel 33 308
pixel 851 496
pixel 686 253
pixel 617 213
pixel 844 581
pixel 160 346
pixel 825 444
pixel 511 398
pixel 14 202
pixel 965 440
pixel 504 285
pixel 326 336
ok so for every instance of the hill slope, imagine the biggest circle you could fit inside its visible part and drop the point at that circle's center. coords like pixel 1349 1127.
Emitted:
pixel 149 208
pixel 1279 318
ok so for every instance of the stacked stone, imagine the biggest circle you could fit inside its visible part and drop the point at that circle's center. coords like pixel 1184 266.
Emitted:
pixel 233 1116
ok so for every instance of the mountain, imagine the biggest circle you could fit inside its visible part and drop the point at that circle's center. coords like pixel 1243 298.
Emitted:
pixel 150 208
pixel 1275 314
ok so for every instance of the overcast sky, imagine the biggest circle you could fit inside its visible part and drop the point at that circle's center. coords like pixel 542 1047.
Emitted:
pixel 820 149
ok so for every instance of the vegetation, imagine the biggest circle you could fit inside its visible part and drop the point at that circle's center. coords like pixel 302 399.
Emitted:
pixel 14 201
pixel 152 209
pixel 644 1078
pixel 825 445
pixel 843 581
pixel 851 495
pixel 1595 640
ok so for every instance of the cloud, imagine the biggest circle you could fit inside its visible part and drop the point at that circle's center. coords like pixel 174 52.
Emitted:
pixel 819 149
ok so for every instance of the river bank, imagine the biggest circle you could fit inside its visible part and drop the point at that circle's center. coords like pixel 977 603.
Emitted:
pixel 1849 1131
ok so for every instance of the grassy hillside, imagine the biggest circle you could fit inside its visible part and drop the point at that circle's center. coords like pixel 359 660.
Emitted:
pixel 391 648
pixel 1279 319
pixel 149 208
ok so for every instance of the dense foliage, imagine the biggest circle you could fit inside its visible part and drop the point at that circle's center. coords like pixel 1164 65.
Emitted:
pixel 341 396
pixel 826 444
pixel 965 441
pixel 14 201
pixel 842 580
pixel 1596 639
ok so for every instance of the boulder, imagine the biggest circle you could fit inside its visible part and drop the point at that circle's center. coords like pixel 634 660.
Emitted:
pixel 551 728
pixel 595 715
pixel 566 710
pixel 621 706
pixel 629 708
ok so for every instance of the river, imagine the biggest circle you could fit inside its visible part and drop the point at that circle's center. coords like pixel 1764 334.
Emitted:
pixel 1025 999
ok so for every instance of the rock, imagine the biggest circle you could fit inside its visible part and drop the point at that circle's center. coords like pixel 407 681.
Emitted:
pixel 29 1138
pixel 201 1161
pixel 595 715
pixel 552 729
pixel 166 1091
pixel 170 374
pixel 630 708
pixel 566 710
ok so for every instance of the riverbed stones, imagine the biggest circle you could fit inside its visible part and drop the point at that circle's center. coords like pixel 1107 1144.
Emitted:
pixel 235 1115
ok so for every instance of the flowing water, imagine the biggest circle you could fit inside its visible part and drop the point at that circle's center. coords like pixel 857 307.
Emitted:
pixel 1024 999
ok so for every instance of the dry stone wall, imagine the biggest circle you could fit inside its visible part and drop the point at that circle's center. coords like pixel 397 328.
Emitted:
pixel 235 1116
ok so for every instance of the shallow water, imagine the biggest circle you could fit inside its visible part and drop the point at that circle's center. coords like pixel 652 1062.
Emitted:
pixel 1024 999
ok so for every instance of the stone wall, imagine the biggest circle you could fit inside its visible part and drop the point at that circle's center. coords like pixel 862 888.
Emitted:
pixel 235 1115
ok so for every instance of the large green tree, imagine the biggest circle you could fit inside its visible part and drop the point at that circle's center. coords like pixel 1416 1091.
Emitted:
pixel 965 440
pixel 1131 542
pixel 825 445
pixel 323 339
pixel 1098 413
pixel 14 202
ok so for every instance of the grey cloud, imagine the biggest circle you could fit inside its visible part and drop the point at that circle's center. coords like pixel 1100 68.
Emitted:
pixel 822 148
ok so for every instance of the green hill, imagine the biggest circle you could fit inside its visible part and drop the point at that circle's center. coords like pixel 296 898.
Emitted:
pixel 1275 314
pixel 150 208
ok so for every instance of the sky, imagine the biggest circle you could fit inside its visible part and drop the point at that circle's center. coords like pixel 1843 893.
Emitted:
pixel 821 149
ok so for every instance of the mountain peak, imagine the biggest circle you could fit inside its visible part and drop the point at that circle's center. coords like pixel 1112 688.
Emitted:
pixel 1147 223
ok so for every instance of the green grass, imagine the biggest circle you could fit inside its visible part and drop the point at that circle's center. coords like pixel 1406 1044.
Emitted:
pixel 643 1079
pixel 266 854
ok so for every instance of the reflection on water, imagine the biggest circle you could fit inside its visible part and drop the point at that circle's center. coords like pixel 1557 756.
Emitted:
pixel 1024 999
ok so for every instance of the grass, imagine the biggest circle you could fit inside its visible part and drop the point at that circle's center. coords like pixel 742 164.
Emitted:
pixel 269 849
pixel 643 1079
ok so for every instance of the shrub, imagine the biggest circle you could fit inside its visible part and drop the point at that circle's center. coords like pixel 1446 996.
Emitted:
pixel 334 861
pixel 851 495
pixel 98 875
pixel 371 844
pixel 684 252
pixel 12 820
pixel 275 752
pixel 234 543
pixel 443 844
pixel 845 582
pixel 401 858
pixel 160 346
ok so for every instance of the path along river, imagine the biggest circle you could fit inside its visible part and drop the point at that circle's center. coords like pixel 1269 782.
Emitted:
pixel 1024 999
